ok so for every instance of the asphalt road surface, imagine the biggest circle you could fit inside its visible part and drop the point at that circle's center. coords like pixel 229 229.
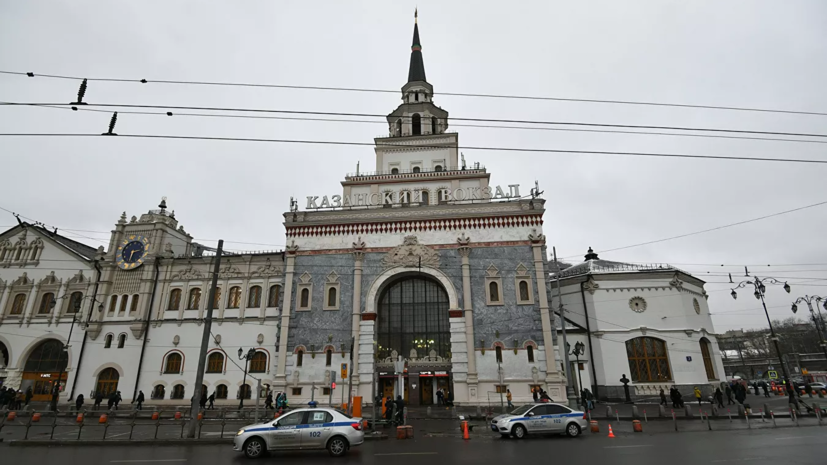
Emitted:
pixel 804 445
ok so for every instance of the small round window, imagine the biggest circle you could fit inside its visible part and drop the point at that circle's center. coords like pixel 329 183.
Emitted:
pixel 637 304
pixel 697 306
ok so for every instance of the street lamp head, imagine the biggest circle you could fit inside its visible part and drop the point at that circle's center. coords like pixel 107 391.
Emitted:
pixel 757 294
pixel 787 288
pixel 53 303
pixel 100 308
pixel 77 306
pixel 794 308
pixel 762 287
pixel 240 352
pixel 734 294
pixel 250 353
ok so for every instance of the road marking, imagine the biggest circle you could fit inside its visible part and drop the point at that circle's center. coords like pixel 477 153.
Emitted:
pixel 738 460
pixel 795 437
pixel 146 461
pixel 623 447
pixel 410 453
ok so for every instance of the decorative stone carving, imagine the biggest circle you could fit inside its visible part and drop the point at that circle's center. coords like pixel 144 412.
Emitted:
pixel 260 339
pixel 677 283
pixel 591 286
pixel 359 249
pixel 122 220
pixel 167 253
pixel 706 296
pixel 229 271
pixel 296 378
pixel 175 340
pixel 305 278
pixel 637 304
pixel 217 339
pixel 536 238
pixel 188 273
pixel 267 270
pixel 292 248
pixel 464 245
pixel 643 330
pixel 49 280
pixel 535 375
pixel 23 280
pixel 413 355
pixel 78 278
pixel 411 254
pixel 134 219
pixel 137 328
pixel 332 277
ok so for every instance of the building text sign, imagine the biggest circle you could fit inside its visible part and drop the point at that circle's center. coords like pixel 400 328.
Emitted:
pixel 413 196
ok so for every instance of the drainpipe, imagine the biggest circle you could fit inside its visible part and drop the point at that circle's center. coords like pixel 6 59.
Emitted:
pixel 146 325
pixel 85 332
pixel 589 334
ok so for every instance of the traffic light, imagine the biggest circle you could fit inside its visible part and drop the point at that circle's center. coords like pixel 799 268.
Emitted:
pixel 333 385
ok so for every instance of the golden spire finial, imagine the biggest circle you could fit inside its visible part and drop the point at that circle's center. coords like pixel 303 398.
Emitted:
pixel 416 15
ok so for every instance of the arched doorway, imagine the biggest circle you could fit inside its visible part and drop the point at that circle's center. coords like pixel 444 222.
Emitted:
pixel 43 367
pixel 413 322
pixel 107 382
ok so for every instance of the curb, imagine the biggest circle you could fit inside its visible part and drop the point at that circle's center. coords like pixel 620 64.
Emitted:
pixel 139 442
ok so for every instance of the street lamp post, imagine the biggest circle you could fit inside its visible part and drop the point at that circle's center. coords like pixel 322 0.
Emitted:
pixel 246 357
pixel 760 288
pixel 810 299
pixel 579 349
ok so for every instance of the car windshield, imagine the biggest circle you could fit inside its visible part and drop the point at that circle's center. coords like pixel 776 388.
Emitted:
pixel 521 410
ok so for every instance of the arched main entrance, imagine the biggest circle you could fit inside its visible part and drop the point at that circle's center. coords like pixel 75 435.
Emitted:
pixel 43 367
pixel 107 382
pixel 413 322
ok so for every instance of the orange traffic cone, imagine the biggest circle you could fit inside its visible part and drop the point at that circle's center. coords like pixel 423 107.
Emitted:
pixel 465 430
pixel 611 434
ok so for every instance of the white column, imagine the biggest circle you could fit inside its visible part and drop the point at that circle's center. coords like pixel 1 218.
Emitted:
pixel 281 378
pixel 553 375
pixel 468 306
pixel 356 320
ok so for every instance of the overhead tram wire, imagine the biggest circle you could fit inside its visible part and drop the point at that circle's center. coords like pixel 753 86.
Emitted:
pixel 467 147
pixel 477 126
pixel 376 115
pixel 388 91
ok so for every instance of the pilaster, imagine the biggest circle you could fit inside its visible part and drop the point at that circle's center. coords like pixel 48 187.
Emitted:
pixel 280 381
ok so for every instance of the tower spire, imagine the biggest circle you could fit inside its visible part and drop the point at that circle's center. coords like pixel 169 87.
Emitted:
pixel 416 70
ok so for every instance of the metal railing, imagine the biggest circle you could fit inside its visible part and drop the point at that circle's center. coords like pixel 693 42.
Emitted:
pixel 445 171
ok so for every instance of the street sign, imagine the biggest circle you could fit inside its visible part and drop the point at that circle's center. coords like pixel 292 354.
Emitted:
pixel 688 358
pixel 772 374
pixel 344 371
pixel 759 374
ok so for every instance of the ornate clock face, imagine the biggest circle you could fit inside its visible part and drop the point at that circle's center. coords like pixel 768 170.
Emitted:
pixel 131 252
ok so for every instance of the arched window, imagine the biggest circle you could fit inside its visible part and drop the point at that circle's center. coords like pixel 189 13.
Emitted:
pixel 124 302
pixel 216 301
pixel 158 392
pixel 530 352
pixel 245 391
pixel 328 357
pixel 121 340
pixel 413 314
pixel 438 168
pixel 75 302
pixel 195 299
pixel 299 357
pixel 493 292
pixel 107 382
pixel 416 169
pixel 46 303
pixel 234 300
pixel 19 304
pixel 134 305
pixel 221 391
pixel 19 254
pixel 394 170
pixel 524 295
pixel 499 351
pixel 706 353
pixel 254 297
pixel 174 300
pixel 258 364
pixel 305 298
pixel 273 296
pixel 173 363
pixel 49 356
pixel 426 198
pixel 331 297
pixel 433 125
pixel 177 392
pixel 416 124
pixel 416 96
pixel 399 127
pixel 648 360
pixel 33 255
pixel 215 362
pixel 107 341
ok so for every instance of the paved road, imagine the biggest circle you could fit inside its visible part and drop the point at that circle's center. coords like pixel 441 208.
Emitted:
pixel 800 446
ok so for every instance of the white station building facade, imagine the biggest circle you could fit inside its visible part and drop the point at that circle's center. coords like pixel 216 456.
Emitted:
pixel 422 264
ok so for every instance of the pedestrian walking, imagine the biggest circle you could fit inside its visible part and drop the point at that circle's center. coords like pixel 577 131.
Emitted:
pixel 29 395
pixel 729 400
pixel 400 409
pixel 140 400
pixel 98 400
pixel 766 389
pixel 535 393
pixel 698 395
pixel 719 397
pixel 111 401
pixel 79 402
pixel 589 399
pixel 440 397
pixel 202 402
pixel 268 401
pixel 662 397
pixel 211 400
pixel 755 387
pixel 793 400
pixel 508 398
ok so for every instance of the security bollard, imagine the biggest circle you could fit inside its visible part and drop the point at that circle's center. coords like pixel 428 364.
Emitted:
pixel 729 414
pixel 635 412
pixel 688 410
pixel 762 415
pixel 103 418
pixel 79 418
pixel 155 415
pixel 608 411
pixel 661 410
pixel 636 426
pixel 645 418
pixel 618 416
pixel 772 415
pixel 12 416
pixel 675 420
pixel 595 428
pixel 35 417
pixel 177 415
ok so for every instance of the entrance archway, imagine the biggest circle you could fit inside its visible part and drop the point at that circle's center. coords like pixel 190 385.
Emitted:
pixel 107 382
pixel 413 322
pixel 43 367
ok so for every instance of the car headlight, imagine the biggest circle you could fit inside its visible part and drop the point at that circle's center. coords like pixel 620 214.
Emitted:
pixel 240 432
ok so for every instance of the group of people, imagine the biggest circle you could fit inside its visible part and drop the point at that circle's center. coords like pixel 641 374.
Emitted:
pixel 15 400
pixel 394 407
pixel 281 401
pixel 540 395
pixel 675 395
pixel 444 397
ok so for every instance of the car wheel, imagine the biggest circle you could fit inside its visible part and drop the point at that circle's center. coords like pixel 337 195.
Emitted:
pixel 573 430
pixel 254 448
pixel 337 446
pixel 519 431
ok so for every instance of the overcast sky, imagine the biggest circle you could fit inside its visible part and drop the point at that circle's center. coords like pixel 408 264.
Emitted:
pixel 750 53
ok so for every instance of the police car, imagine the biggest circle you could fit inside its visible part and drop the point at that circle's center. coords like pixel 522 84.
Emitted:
pixel 539 418
pixel 302 429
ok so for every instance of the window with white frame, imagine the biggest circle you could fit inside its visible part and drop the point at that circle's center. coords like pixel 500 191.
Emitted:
pixel 304 298
pixel 523 286
pixel 331 292
pixel 493 286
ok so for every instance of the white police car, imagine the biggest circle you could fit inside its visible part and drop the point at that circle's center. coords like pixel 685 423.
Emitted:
pixel 540 418
pixel 302 429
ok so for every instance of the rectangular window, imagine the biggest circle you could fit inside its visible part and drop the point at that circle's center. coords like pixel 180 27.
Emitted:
pixel 501 388
pixel 325 391
pixel 297 391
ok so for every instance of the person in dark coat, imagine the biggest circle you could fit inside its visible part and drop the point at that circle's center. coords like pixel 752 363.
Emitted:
pixel 662 397
pixel 729 395
pixel 98 400
pixel 140 400
pixel 29 395
pixel 719 397
pixel 755 387
pixel 389 408
pixel 79 402
pixel 111 401
pixel 202 402
pixel 535 394
pixel 211 400
pixel 766 389
pixel 400 409
pixel 268 401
